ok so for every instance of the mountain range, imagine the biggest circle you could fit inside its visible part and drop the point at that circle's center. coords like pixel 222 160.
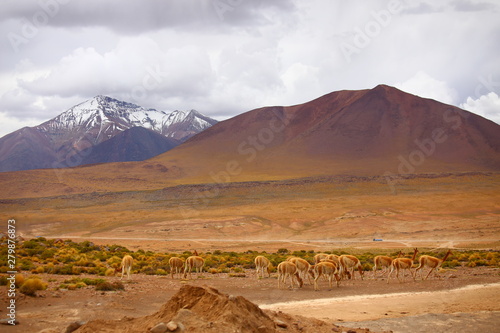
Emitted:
pixel 379 132
pixel 80 135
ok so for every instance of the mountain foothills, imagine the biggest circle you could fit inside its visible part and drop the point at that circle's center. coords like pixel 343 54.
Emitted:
pixel 75 137
pixel 380 132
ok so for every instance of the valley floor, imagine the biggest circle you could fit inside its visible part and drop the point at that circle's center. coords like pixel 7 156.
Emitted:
pixel 463 300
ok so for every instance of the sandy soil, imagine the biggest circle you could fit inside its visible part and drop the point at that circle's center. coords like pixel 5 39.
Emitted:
pixel 445 211
pixel 465 297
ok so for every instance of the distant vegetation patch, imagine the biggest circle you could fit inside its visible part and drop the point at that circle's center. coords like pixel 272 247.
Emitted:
pixel 56 256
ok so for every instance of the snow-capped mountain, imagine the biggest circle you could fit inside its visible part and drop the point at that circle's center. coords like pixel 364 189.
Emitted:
pixel 105 116
pixel 66 139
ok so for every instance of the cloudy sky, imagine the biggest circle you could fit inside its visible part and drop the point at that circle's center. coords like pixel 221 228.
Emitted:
pixel 224 57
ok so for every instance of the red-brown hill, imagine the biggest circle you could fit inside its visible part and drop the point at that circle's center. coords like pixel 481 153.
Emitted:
pixel 365 132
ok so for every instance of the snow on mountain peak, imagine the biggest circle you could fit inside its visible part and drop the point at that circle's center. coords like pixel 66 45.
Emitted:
pixel 105 115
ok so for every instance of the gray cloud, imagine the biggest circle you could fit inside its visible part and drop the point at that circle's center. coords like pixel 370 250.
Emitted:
pixel 136 16
pixel 473 6
pixel 224 57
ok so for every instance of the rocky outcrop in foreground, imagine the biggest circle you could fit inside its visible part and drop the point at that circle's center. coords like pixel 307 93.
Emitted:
pixel 204 309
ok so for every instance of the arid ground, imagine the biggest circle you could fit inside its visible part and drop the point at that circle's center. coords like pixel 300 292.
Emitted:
pixel 441 210
pixel 322 214
pixel 463 300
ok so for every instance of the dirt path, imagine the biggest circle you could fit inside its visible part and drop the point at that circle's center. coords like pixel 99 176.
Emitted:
pixel 271 245
pixel 479 297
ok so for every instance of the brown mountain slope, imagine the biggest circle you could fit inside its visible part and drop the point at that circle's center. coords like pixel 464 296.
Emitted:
pixel 367 132
pixel 25 149
pixel 133 144
pixel 380 132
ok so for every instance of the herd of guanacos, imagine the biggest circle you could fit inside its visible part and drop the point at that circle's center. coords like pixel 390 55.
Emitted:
pixel 297 269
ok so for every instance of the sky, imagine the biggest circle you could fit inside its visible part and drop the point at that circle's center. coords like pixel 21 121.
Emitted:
pixel 225 57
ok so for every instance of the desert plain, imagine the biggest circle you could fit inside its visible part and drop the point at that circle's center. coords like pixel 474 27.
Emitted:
pixel 457 211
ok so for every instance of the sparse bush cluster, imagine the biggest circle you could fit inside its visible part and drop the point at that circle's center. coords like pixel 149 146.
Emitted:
pixel 27 286
pixel 66 257
pixel 32 285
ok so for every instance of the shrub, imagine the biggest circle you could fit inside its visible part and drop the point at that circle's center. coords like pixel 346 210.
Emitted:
pixel 148 270
pixel 107 286
pixel 19 280
pixel 81 285
pixel 118 285
pixel 109 272
pixel 482 262
pixel 104 286
pixel 223 268
pixel 3 280
pixel 493 262
pixel 367 266
pixel 48 253
pixel 237 270
pixel 240 275
pixel 26 265
pixel 474 257
pixel 283 251
pixel 92 282
pixel 451 264
pixel 31 286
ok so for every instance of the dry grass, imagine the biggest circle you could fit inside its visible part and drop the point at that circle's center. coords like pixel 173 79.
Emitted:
pixel 450 207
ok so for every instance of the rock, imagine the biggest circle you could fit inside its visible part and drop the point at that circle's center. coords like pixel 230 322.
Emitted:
pixel 159 328
pixel 172 326
pixel 281 324
pixel 74 326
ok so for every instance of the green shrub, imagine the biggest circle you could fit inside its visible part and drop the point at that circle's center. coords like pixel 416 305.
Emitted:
pixel 92 282
pixel 451 264
pixel 237 270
